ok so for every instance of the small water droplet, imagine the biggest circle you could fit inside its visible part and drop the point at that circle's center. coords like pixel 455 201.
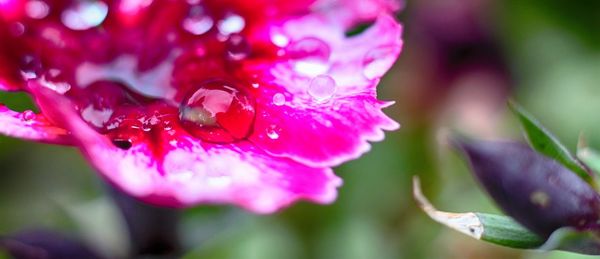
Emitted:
pixel 27 115
pixel 37 9
pixel 279 99
pixel 198 22
pixel 17 29
pixel 124 144
pixel 237 47
pixel 232 23
pixel 377 61
pixel 322 88
pixel 280 40
pixel 96 117
pixel 30 67
pixel 272 132
pixel 218 111
pixel 255 85
pixel 84 15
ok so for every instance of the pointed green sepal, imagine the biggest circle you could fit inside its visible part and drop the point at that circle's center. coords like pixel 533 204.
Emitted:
pixel 543 141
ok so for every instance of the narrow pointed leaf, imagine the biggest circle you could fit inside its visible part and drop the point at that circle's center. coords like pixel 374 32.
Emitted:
pixel 496 229
pixel 569 239
pixel 542 140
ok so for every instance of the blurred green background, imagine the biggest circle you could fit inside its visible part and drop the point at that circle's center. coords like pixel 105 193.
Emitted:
pixel 461 60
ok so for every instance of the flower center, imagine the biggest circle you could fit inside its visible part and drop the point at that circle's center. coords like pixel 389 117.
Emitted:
pixel 218 111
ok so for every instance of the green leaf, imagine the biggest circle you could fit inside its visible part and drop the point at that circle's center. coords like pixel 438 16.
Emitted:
pixel 569 239
pixel 546 143
pixel 496 229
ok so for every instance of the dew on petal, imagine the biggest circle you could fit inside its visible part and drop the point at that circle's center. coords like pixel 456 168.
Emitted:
pixel 197 22
pixel 280 40
pixel 322 88
pixel 232 23
pixel 218 111
pixel 37 9
pixel 96 117
pixel 17 29
pixel 279 99
pixel 272 132
pixel 84 15
pixel 27 115
pixel 377 61
pixel 237 47
pixel 310 56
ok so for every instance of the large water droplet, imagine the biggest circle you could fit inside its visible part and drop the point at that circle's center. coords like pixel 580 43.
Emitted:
pixel 84 15
pixel 232 23
pixel 377 61
pixel 310 55
pixel 218 111
pixel 322 88
pixel 197 22
pixel 237 47
pixel 37 9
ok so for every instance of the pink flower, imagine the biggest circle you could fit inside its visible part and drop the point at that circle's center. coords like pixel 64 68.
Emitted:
pixel 187 102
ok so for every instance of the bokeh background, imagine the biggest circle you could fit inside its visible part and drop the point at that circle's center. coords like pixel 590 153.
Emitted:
pixel 462 59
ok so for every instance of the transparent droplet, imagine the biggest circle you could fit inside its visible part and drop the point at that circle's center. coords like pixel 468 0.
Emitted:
pixel 197 22
pixel 310 56
pixel 17 29
pixel 96 117
pixel 279 99
pixel 84 15
pixel 27 115
pixel 218 111
pixel 37 9
pixel 322 88
pixel 272 132
pixel 237 47
pixel 232 23
pixel 378 61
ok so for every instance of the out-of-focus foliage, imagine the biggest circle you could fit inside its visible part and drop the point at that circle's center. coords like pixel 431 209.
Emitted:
pixel 545 53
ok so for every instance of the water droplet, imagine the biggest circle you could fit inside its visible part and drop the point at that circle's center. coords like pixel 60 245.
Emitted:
pixel 280 40
pixel 310 56
pixel 255 85
pixel 197 21
pixel 17 29
pixel 124 144
pixel 27 115
pixel 30 67
pixel 96 117
pixel 53 80
pixel 37 9
pixel 232 23
pixel 279 99
pixel 377 61
pixel 272 132
pixel 322 88
pixel 237 47
pixel 84 15
pixel 218 111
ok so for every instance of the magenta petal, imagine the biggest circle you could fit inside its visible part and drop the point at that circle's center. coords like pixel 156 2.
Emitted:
pixel 31 126
pixel 322 130
pixel 186 172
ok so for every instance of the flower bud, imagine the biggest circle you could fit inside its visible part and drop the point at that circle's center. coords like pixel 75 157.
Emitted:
pixel 537 191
